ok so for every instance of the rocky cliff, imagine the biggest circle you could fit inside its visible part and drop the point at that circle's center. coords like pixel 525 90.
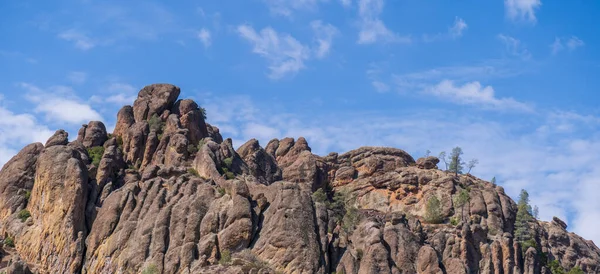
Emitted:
pixel 165 193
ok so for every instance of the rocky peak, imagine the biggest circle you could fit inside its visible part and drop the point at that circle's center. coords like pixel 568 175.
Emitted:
pixel 165 193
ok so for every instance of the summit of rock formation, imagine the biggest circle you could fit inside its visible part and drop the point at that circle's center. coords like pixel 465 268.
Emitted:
pixel 166 193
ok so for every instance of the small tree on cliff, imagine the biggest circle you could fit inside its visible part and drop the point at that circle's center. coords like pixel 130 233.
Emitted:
pixel 522 227
pixel 461 200
pixel 456 164
pixel 433 210
pixel 472 164
pixel 442 157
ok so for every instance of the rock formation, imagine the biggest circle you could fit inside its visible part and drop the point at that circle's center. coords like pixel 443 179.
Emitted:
pixel 165 193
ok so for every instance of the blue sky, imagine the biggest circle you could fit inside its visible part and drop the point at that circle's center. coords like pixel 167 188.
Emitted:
pixel 513 82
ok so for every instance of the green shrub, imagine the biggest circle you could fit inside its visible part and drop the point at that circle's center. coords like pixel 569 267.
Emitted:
pixel 319 196
pixel 225 257
pixel 23 215
pixel 192 149
pixel 229 175
pixel 359 254
pixel 109 135
pixel 576 270
pixel 555 267
pixel 221 190
pixel 9 241
pixel 228 162
pixel 27 194
pixel 433 211
pixel 529 243
pixel 156 124
pixel 150 269
pixel 193 172
pixel 201 143
pixel 95 154
pixel 350 219
pixel 203 113
pixel 454 221
pixel 120 142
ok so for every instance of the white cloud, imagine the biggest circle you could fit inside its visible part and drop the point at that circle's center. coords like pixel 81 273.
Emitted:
pixel 371 27
pixel 474 93
pixel 81 40
pixel 287 7
pixel 205 37
pixel 77 77
pixel 571 43
pixel 285 54
pixel 120 94
pixel 457 29
pixel 514 46
pixel 324 34
pixel 59 104
pixel 374 74
pixel 18 130
pixel 346 3
pixel 524 10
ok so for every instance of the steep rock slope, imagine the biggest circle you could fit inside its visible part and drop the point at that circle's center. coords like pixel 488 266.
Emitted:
pixel 165 193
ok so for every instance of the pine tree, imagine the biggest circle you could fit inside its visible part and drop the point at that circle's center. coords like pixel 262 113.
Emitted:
pixel 442 157
pixel 493 181
pixel 456 163
pixel 472 164
pixel 461 200
pixel 536 212
pixel 522 228
pixel 433 210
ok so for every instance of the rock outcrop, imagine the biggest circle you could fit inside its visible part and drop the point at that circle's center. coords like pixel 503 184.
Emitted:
pixel 165 193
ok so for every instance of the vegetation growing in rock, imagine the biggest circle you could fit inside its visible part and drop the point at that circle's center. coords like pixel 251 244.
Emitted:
pixel 456 164
pixel 319 196
pixel 225 257
pixel 95 154
pixel 193 172
pixel 192 149
pixel 9 241
pixel 493 181
pixel 150 269
pixel 442 157
pixel 471 165
pixel 156 124
pixel 433 210
pixel 523 232
pixel 27 194
pixel 460 200
pixel 23 215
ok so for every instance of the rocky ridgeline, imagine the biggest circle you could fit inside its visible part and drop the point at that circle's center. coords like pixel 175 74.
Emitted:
pixel 164 193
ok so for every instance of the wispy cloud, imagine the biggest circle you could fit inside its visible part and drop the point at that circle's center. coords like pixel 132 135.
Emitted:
pixel 371 27
pixel 286 7
pixel 119 94
pixel 59 104
pixel 570 43
pixel 374 74
pixel 205 37
pixel 455 31
pixel 514 46
pixel 324 34
pixel 77 77
pixel 285 54
pixel 473 93
pixel 346 3
pixel 80 39
pixel 522 10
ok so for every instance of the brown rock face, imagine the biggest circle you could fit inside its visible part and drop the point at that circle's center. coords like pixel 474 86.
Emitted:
pixel 92 134
pixel 428 162
pixel 154 99
pixel 55 240
pixel 170 195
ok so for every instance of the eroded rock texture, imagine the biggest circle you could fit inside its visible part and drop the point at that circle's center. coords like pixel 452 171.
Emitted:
pixel 170 195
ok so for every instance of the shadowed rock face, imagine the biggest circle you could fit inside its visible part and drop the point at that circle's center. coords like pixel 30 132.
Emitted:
pixel 170 195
